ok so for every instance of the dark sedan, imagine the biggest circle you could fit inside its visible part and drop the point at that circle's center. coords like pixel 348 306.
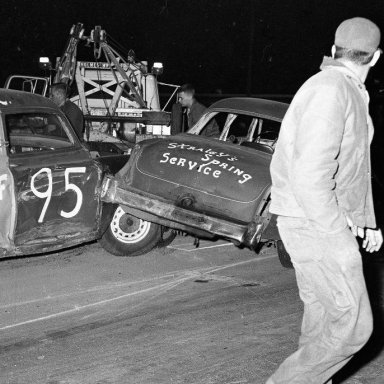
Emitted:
pixel 208 187
pixel 50 186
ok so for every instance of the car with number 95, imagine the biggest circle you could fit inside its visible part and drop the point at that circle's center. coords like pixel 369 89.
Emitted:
pixel 50 186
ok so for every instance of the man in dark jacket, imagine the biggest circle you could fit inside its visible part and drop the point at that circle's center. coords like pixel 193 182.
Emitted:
pixel 322 194
pixel 186 97
pixel 71 110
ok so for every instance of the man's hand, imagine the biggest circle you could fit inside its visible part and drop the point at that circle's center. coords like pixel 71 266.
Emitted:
pixel 373 240
pixel 357 231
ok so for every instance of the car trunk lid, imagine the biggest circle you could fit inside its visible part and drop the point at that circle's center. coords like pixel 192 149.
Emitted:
pixel 200 174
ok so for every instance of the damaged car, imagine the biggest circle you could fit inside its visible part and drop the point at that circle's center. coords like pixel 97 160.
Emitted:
pixel 207 187
pixel 50 185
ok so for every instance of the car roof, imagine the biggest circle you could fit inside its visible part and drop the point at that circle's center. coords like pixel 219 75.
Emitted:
pixel 269 109
pixel 19 99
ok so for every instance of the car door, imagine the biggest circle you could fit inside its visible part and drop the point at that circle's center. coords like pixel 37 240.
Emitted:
pixel 55 180
pixel 7 201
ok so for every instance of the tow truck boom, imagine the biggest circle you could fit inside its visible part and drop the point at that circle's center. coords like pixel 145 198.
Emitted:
pixel 117 92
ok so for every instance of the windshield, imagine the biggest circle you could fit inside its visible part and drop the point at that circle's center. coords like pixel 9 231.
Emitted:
pixel 36 132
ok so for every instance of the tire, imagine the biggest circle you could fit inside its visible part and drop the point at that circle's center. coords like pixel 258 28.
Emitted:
pixel 167 236
pixel 130 236
pixel 284 257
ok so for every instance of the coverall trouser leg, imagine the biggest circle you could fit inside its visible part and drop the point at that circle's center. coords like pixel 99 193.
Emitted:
pixel 337 319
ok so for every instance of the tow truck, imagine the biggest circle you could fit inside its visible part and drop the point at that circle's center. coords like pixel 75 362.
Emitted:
pixel 119 96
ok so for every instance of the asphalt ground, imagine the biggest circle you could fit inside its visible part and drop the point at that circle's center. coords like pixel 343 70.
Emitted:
pixel 212 314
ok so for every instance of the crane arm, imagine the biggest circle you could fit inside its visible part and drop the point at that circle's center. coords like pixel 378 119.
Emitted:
pixel 66 64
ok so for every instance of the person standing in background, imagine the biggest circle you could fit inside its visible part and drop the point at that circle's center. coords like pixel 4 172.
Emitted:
pixel 59 96
pixel 194 109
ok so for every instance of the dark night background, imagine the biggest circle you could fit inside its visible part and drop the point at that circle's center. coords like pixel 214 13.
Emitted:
pixel 228 46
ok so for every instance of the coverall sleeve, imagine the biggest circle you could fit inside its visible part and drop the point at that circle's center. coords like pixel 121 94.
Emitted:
pixel 315 158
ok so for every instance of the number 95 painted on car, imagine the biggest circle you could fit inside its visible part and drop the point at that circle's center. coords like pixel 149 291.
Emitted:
pixel 50 186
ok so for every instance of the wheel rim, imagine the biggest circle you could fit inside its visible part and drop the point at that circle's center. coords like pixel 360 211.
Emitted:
pixel 128 229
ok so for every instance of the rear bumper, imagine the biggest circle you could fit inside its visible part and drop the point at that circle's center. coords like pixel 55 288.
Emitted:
pixel 181 218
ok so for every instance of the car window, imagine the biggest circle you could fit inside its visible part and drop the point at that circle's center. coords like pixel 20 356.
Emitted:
pixel 219 119
pixel 212 119
pixel 36 132
pixel 214 124
pixel 240 128
pixel 268 131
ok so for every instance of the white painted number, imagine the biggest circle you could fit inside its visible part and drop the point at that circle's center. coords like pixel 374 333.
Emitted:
pixel 42 195
pixel 68 185
pixel 47 194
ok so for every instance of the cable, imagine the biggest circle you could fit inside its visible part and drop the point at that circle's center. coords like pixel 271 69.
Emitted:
pixel 123 49
pixel 126 52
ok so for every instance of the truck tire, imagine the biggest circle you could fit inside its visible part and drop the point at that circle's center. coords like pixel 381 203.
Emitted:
pixel 130 236
pixel 284 257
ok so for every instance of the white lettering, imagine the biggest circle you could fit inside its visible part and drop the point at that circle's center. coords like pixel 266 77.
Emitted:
pixel 191 164
pixel 246 177
pixel 76 189
pixel 166 156
pixel 208 151
pixel 206 162
pixel 213 162
pixel 47 194
pixel 207 170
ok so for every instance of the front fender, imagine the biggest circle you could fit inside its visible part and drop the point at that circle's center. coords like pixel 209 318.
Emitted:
pixel 107 211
